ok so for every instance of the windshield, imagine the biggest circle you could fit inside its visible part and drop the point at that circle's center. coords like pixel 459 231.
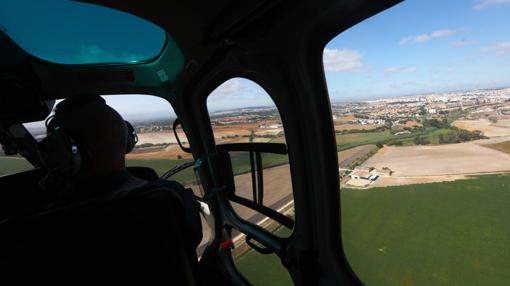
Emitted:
pixel 68 32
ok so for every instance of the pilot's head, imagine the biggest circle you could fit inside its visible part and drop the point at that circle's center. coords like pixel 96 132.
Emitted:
pixel 98 131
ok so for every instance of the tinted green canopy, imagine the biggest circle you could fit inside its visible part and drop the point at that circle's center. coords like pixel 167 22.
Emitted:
pixel 68 32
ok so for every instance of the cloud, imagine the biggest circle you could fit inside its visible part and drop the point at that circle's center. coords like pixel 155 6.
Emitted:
pixel 393 70
pixel 238 93
pixel 230 86
pixel 481 4
pixel 95 54
pixel 342 60
pixel 426 37
pixel 498 48
pixel 463 43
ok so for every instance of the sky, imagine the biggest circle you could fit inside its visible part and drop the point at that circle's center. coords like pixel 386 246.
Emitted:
pixel 70 32
pixel 421 47
pixel 415 47
pixel 412 48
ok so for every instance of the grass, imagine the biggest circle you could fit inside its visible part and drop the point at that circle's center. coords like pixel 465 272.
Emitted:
pixel 241 161
pixel 350 140
pixel 262 269
pixel 432 136
pixel 346 141
pixel 240 164
pixel 162 165
pixel 450 233
pixel 10 165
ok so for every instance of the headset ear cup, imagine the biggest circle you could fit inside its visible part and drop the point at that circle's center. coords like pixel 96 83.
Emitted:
pixel 60 151
pixel 132 138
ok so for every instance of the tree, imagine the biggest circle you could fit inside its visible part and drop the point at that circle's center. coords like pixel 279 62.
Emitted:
pixel 493 119
pixel 419 140
pixel 388 124
pixel 436 123
pixel 478 134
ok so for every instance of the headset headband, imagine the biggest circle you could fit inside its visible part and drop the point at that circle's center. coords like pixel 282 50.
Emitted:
pixel 76 102
pixel 71 104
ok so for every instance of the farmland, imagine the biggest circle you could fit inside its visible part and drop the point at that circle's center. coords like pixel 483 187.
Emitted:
pixel 501 146
pixel 449 159
pixel 418 235
pixel 240 164
pixel 253 264
pixel 426 235
pixel 9 165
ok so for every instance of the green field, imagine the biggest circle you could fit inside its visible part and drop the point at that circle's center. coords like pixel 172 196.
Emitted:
pixel 432 136
pixel 262 269
pixel 451 233
pixel 240 165
pixel 163 165
pixel 10 165
pixel 241 161
pixel 346 141
pixel 350 140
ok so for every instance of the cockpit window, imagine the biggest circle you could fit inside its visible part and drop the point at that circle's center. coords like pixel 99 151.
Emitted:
pixel 69 32
pixel 420 99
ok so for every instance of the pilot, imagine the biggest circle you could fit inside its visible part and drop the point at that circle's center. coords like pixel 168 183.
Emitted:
pixel 99 140
pixel 96 136
pixel 84 153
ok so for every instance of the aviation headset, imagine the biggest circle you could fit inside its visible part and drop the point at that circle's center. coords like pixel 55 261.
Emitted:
pixel 59 150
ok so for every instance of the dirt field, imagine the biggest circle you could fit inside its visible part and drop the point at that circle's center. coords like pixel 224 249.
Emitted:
pixel 386 181
pixel 343 127
pixel 170 152
pixel 277 185
pixel 346 157
pixel 344 119
pixel 413 123
pixel 503 146
pixel 159 138
pixel 425 164
pixel 489 129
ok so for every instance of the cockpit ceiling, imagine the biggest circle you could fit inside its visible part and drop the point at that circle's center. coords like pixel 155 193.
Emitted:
pixel 74 33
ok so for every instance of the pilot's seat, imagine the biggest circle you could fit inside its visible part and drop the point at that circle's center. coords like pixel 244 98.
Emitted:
pixel 138 237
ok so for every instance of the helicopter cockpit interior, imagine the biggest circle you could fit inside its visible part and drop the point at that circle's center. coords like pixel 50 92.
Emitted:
pixel 181 51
